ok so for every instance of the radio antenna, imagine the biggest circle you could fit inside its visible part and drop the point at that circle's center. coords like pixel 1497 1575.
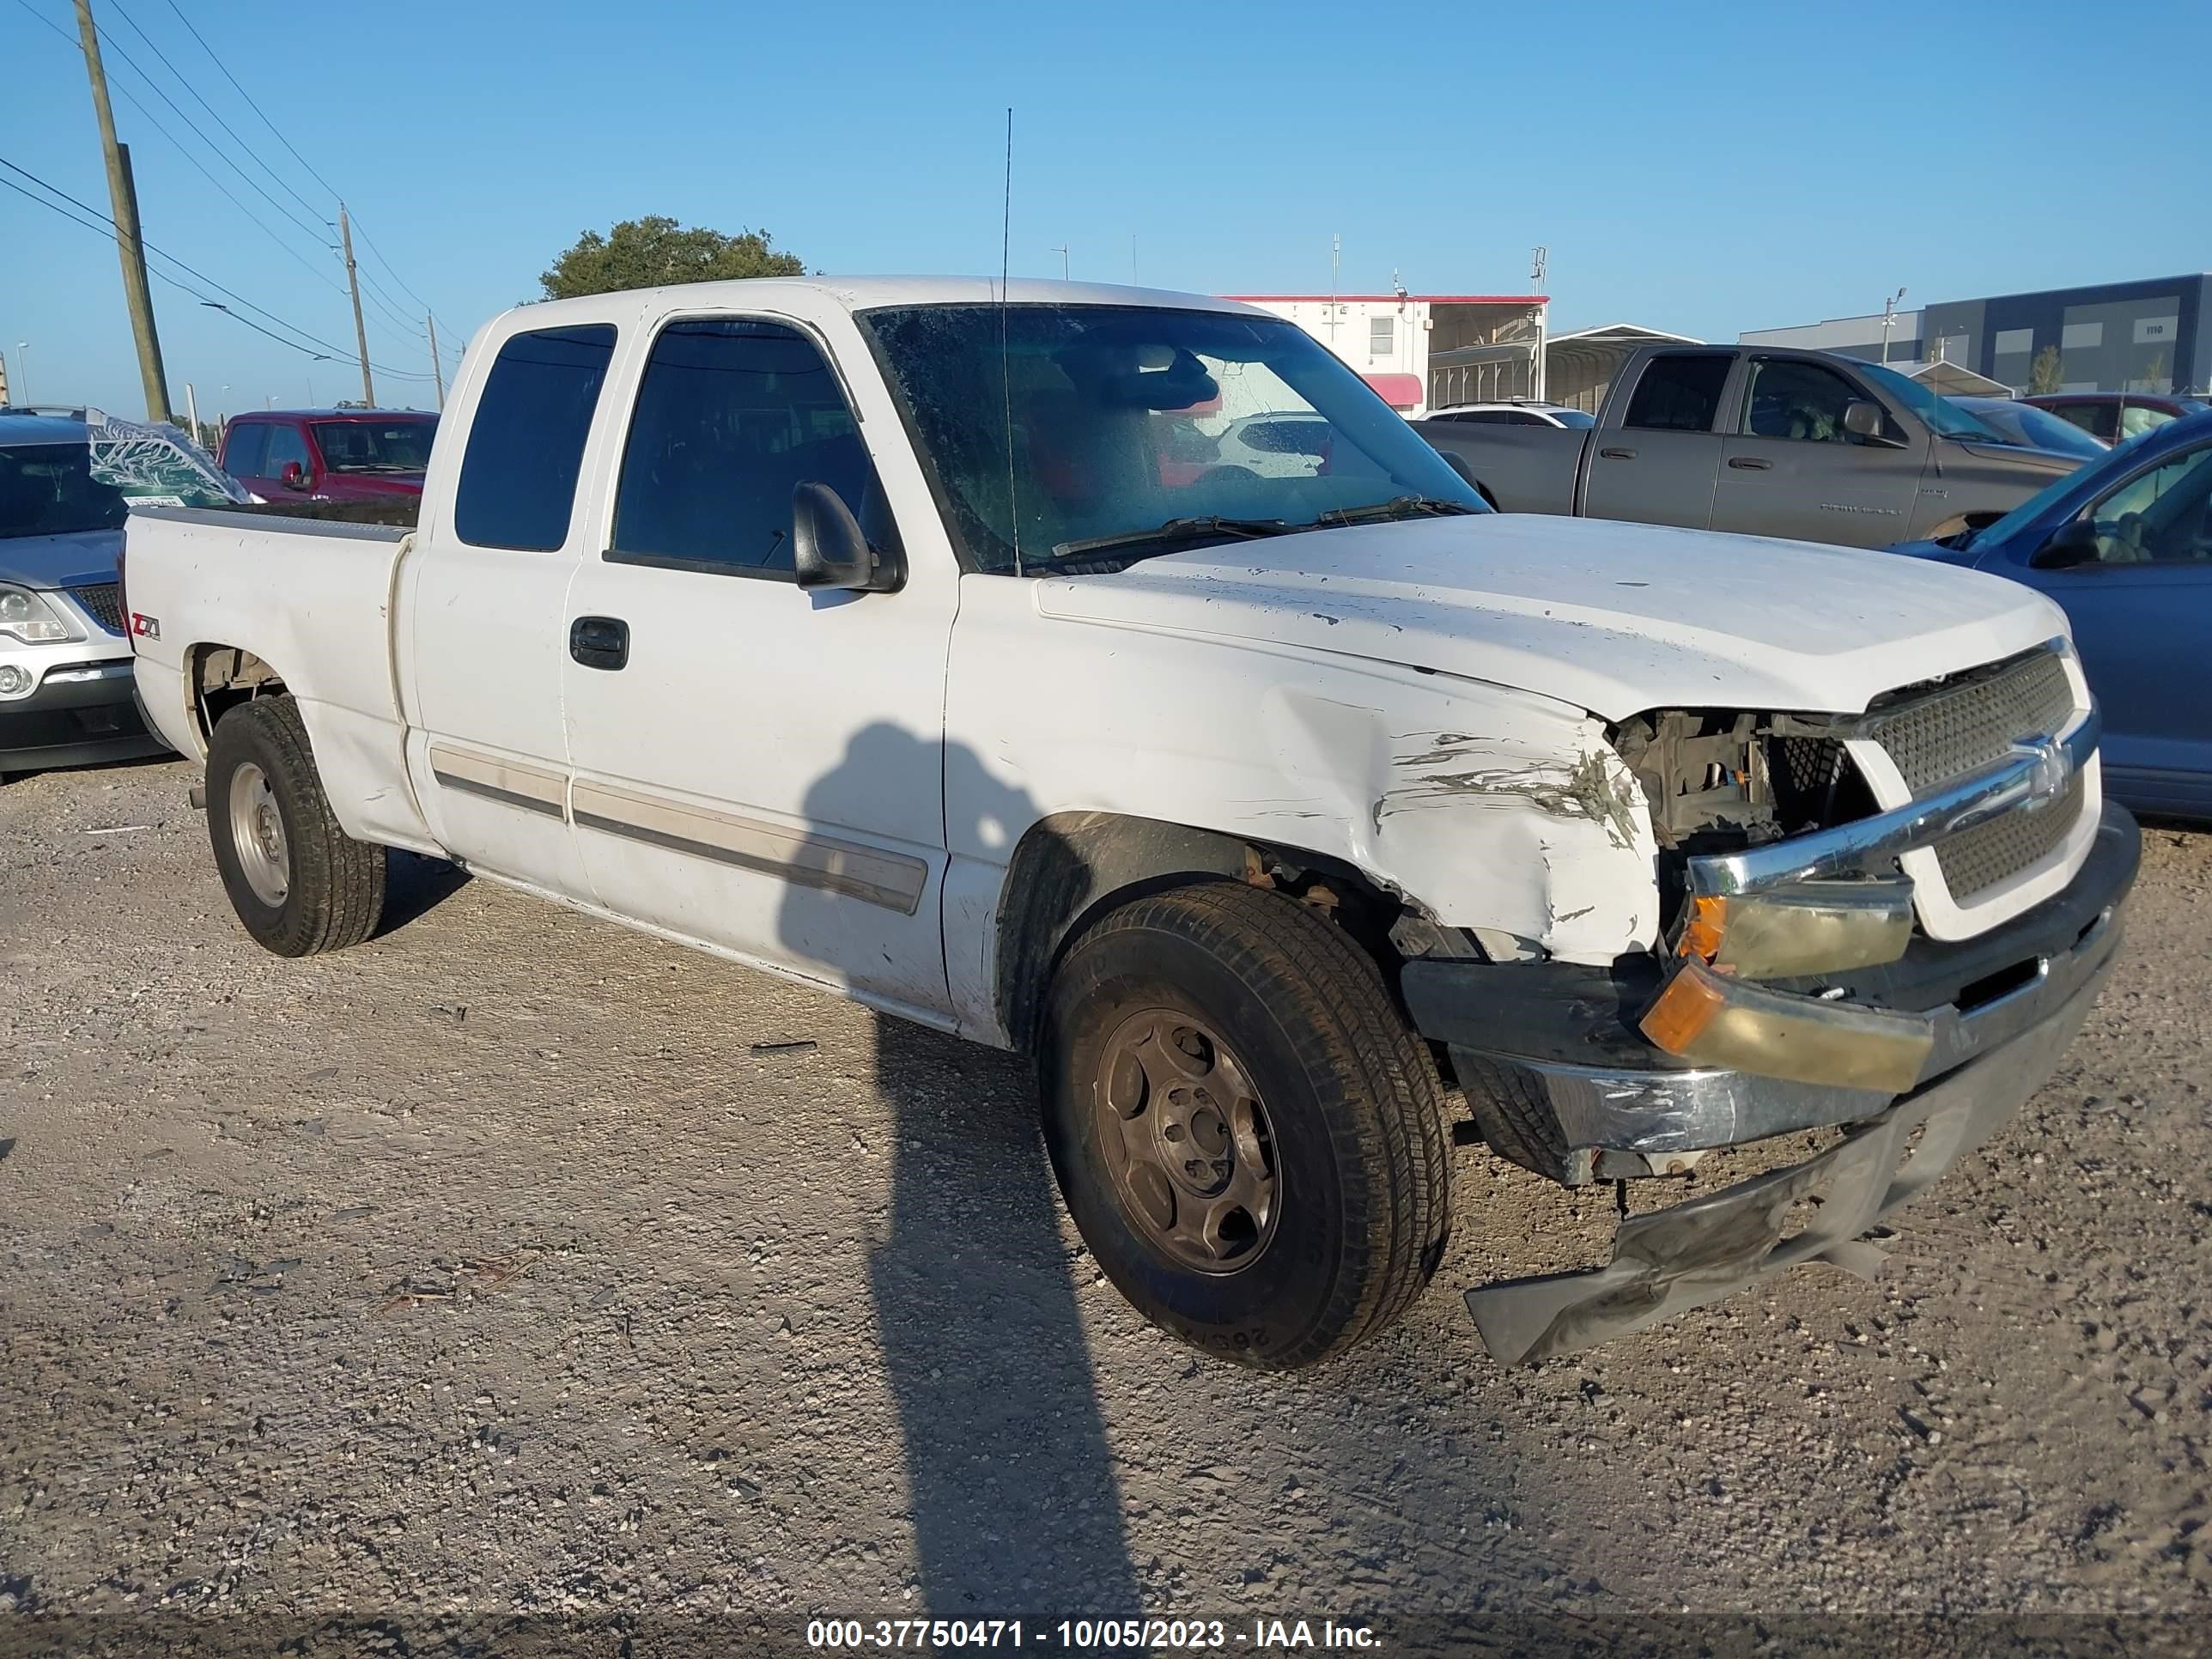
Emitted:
pixel 1006 369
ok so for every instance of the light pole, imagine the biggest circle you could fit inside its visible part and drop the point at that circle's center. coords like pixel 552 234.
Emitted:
pixel 23 371
pixel 1889 321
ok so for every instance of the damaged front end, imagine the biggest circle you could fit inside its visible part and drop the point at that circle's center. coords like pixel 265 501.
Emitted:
pixel 1816 974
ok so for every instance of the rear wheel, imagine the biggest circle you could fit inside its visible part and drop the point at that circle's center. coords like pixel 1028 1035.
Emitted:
pixel 1250 1140
pixel 298 882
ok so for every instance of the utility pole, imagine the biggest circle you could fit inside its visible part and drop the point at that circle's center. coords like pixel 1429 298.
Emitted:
pixel 130 248
pixel 192 411
pixel 360 329
pixel 437 368
pixel 1062 252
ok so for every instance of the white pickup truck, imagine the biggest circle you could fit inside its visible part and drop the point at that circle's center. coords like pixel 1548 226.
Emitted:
pixel 900 637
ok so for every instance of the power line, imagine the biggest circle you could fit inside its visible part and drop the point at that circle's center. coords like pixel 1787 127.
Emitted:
pixel 105 225
pixel 250 104
pixel 253 156
pixel 293 151
pixel 199 166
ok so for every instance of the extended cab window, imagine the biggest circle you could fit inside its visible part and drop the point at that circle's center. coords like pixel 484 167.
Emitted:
pixel 733 414
pixel 526 439
pixel 1787 399
pixel 243 457
pixel 1680 393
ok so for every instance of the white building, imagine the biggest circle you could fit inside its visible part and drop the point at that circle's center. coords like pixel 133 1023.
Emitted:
pixel 1423 350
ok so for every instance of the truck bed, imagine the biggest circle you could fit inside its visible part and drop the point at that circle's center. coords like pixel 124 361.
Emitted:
pixel 311 594
pixel 1522 469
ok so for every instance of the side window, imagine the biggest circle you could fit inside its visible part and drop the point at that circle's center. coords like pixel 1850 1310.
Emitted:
pixel 2135 420
pixel 286 445
pixel 1680 393
pixel 2163 516
pixel 731 415
pixel 1800 400
pixel 518 484
pixel 248 449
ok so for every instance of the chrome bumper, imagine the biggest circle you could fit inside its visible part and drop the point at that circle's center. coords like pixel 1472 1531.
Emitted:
pixel 1572 1053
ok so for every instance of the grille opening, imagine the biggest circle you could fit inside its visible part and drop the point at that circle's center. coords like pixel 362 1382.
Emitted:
pixel 2003 983
pixel 100 602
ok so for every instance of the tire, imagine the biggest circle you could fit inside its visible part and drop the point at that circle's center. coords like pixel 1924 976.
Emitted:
pixel 1349 1123
pixel 328 890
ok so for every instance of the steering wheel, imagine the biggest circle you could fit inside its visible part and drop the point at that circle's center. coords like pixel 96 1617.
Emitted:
pixel 1227 473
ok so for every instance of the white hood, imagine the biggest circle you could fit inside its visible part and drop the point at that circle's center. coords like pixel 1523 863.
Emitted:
pixel 1612 617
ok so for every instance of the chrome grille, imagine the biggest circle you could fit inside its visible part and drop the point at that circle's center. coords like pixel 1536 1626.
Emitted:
pixel 1974 861
pixel 1963 727
pixel 101 603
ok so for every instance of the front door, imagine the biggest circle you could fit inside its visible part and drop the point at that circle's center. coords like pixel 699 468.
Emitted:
pixel 2142 613
pixel 1658 466
pixel 485 594
pixel 1791 468
pixel 758 766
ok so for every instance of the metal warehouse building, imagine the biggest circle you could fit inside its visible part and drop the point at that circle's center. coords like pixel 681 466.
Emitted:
pixel 2149 336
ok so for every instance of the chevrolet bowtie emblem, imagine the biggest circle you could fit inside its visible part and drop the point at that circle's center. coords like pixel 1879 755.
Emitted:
pixel 2054 768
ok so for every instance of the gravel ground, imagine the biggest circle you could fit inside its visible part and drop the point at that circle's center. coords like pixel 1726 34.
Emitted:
pixel 514 1266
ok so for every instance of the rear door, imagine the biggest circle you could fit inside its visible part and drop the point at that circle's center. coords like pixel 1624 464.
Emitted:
pixel 758 766
pixel 484 594
pixel 1659 464
pixel 2142 613
pixel 1789 468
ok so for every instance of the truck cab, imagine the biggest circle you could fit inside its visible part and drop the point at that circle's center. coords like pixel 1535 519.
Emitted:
pixel 1804 445
pixel 329 454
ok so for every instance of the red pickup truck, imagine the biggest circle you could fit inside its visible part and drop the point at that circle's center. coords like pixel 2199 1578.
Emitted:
pixel 329 454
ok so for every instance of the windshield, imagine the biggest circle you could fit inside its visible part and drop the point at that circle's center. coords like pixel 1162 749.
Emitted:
pixel 1578 418
pixel 1940 414
pixel 1127 419
pixel 48 489
pixel 2024 423
pixel 375 446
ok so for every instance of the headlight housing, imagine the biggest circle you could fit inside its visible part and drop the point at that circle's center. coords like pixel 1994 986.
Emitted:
pixel 28 619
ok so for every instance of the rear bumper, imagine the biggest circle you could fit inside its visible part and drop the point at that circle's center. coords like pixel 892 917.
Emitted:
pixel 1561 1041
pixel 81 712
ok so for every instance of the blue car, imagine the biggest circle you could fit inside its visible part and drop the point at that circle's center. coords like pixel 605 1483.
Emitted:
pixel 2125 547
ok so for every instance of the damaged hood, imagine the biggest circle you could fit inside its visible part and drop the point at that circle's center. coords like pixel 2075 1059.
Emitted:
pixel 1611 618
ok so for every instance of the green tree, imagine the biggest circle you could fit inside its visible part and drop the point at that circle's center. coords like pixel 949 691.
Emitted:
pixel 2044 373
pixel 651 252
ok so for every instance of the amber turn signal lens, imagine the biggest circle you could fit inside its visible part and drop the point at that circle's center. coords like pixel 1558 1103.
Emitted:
pixel 1703 926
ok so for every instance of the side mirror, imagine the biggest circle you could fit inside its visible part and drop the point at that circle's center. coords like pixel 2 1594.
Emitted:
pixel 829 550
pixel 2073 543
pixel 294 476
pixel 1863 420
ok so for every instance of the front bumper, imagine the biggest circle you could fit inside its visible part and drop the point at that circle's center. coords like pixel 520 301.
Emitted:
pixel 82 712
pixel 1560 1043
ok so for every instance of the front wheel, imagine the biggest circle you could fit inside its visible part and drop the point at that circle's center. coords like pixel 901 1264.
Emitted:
pixel 1250 1140
pixel 298 882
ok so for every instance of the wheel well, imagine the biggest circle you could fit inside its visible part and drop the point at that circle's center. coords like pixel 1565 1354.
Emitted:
pixel 1483 490
pixel 224 676
pixel 1072 869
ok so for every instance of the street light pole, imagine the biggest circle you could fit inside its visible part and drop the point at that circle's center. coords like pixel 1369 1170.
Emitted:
pixel 1889 321
pixel 23 372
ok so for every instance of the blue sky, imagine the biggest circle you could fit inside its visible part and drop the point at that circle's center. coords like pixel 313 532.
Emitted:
pixel 1702 168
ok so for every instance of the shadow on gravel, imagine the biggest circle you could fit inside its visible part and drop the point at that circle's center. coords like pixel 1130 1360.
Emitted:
pixel 1016 1510
pixel 414 886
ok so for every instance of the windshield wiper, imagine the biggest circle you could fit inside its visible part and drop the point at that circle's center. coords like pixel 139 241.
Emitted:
pixel 1174 530
pixel 1396 507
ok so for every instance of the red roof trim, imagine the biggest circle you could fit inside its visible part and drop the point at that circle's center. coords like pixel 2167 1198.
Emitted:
pixel 1425 299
